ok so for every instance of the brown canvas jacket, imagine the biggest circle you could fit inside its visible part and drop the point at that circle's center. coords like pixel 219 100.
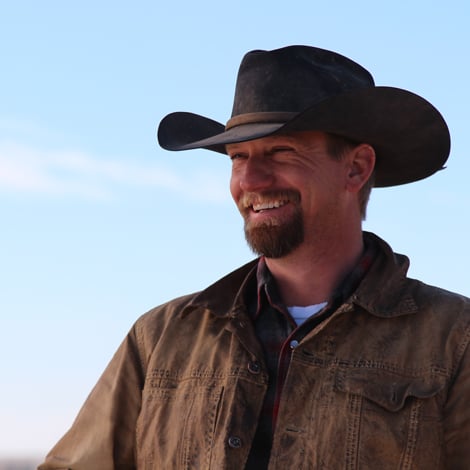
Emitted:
pixel 383 383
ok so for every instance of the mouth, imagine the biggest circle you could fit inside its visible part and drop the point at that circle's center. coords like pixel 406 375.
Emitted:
pixel 267 205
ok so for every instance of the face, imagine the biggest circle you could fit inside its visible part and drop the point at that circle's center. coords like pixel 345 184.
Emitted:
pixel 288 190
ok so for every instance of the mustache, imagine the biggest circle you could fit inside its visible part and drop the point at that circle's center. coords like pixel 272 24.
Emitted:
pixel 284 195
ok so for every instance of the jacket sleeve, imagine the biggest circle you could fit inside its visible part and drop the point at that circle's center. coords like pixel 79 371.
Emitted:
pixel 457 415
pixel 103 434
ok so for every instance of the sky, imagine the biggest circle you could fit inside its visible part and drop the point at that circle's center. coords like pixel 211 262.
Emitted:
pixel 98 224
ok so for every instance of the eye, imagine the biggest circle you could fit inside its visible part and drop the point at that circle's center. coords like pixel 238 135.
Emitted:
pixel 236 156
pixel 280 150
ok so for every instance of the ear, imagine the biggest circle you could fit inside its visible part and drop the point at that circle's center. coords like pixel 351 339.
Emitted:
pixel 361 165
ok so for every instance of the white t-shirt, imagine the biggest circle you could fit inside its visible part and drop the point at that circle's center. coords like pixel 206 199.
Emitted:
pixel 300 314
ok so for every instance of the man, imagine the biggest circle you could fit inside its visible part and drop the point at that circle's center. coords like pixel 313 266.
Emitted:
pixel 321 353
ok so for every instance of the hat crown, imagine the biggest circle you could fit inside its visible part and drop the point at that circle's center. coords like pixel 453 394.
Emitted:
pixel 300 88
pixel 293 78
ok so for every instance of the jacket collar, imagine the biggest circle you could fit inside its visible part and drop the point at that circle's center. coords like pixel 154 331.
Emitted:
pixel 385 290
pixel 226 297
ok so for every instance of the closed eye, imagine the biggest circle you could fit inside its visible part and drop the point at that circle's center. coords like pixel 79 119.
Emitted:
pixel 236 156
pixel 280 150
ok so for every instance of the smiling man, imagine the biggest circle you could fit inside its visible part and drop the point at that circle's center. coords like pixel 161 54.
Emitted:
pixel 321 353
pixel 299 204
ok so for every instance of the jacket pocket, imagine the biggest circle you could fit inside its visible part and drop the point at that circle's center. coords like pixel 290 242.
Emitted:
pixel 386 389
pixel 394 419
pixel 176 424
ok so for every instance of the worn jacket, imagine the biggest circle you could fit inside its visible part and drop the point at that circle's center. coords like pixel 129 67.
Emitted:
pixel 383 383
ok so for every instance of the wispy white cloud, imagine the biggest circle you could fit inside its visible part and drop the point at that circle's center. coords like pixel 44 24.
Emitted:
pixel 33 170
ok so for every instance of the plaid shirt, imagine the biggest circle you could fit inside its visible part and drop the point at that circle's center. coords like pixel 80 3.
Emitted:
pixel 279 335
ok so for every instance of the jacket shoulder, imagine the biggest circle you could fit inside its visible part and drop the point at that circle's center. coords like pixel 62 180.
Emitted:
pixel 444 317
pixel 440 301
pixel 152 322
pixel 171 321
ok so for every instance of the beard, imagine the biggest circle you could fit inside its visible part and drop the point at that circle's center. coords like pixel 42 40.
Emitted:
pixel 274 238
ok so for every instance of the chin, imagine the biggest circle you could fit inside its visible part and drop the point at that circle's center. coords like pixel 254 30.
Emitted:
pixel 275 241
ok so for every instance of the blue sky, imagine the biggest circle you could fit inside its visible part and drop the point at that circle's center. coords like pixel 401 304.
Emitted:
pixel 98 224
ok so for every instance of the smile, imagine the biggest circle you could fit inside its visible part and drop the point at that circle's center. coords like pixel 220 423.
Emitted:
pixel 262 206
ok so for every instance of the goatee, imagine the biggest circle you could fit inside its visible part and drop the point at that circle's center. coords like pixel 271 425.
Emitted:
pixel 275 239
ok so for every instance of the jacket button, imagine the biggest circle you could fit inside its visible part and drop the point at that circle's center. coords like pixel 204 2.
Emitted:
pixel 234 442
pixel 293 344
pixel 254 367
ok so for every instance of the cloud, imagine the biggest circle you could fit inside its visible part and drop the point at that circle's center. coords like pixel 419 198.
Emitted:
pixel 38 171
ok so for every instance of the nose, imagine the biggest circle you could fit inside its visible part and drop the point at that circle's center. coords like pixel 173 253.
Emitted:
pixel 256 174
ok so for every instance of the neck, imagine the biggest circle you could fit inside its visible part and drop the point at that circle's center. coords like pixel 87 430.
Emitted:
pixel 310 274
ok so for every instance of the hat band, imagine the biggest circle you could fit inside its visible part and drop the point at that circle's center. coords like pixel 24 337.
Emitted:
pixel 259 118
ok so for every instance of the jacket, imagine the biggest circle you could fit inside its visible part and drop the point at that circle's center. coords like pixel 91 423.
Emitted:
pixel 383 383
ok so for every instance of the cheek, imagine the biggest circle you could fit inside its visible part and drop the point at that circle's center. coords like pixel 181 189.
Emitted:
pixel 234 187
pixel 318 194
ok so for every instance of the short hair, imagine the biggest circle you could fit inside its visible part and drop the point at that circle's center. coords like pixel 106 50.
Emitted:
pixel 337 146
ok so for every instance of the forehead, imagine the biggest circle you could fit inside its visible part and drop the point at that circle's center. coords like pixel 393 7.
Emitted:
pixel 295 139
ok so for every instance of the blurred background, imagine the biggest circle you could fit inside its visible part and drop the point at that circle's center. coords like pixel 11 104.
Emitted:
pixel 98 224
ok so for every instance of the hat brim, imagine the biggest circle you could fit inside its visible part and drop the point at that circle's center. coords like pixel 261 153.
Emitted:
pixel 409 135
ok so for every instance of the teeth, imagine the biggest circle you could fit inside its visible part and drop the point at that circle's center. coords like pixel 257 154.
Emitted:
pixel 267 205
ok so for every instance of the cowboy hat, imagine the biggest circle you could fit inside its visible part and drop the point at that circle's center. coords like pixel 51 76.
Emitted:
pixel 298 88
